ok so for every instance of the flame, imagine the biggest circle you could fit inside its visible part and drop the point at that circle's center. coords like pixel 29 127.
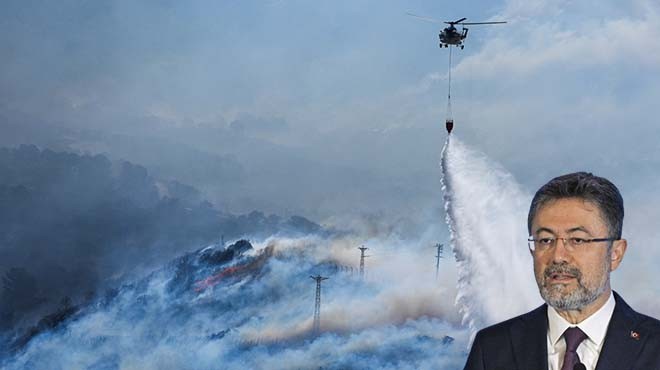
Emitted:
pixel 215 278
pixel 255 264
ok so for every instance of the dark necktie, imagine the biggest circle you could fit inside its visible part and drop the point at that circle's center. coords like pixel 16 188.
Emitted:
pixel 573 336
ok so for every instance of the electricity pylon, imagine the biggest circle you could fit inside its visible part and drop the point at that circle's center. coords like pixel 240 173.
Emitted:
pixel 317 306
pixel 362 257
pixel 437 258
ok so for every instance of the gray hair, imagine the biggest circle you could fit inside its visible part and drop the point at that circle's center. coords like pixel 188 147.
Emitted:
pixel 588 187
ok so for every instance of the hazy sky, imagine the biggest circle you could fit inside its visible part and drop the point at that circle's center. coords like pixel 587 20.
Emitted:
pixel 334 108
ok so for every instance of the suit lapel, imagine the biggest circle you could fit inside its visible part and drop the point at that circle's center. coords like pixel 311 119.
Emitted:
pixel 528 337
pixel 623 341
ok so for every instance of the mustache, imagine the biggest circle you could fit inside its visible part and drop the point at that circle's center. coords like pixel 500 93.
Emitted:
pixel 563 269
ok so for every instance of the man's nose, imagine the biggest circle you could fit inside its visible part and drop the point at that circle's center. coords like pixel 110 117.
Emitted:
pixel 560 251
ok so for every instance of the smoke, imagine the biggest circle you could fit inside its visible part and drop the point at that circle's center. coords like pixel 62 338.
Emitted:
pixel 255 311
pixel 399 285
pixel 73 225
pixel 486 214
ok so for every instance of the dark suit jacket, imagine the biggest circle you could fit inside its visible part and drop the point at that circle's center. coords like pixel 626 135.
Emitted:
pixel 632 342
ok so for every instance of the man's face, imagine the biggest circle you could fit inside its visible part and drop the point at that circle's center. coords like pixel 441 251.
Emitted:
pixel 572 280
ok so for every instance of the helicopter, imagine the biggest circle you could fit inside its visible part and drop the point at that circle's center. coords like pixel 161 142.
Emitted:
pixel 450 35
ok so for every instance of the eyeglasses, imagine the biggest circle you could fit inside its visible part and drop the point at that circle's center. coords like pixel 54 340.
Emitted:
pixel 571 244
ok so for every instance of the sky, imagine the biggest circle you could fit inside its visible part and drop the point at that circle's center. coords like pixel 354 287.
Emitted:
pixel 334 110
pixel 315 108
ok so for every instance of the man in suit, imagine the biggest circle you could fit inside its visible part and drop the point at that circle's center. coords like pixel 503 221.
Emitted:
pixel 574 224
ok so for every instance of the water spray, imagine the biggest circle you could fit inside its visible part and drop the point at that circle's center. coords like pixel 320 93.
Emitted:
pixel 486 215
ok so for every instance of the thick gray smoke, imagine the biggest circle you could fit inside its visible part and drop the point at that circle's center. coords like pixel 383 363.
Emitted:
pixel 254 311
pixel 74 225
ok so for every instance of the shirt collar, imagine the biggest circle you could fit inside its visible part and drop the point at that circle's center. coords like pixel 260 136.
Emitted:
pixel 595 326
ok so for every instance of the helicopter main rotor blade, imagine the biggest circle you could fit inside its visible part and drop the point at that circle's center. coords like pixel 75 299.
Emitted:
pixel 459 21
pixel 424 18
pixel 473 23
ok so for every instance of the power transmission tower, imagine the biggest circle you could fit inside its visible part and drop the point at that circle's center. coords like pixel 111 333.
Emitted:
pixel 362 257
pixel 437 258
pixel 317 306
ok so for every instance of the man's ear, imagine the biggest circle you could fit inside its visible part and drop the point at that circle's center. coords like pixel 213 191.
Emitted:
pixel 618 250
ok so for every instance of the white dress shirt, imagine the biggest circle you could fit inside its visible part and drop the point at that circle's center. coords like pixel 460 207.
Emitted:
pixel 595 326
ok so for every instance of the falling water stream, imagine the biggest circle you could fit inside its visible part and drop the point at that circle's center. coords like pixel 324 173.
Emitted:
pixel 486 212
